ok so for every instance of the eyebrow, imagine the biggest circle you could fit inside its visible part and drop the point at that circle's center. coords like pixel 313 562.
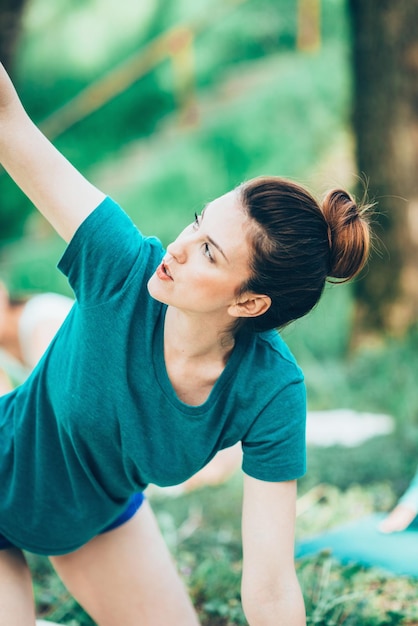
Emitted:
pixel 209 238
pixel 218 247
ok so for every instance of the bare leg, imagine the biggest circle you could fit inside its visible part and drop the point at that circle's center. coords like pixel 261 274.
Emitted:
pixel 16 595
pixel 126 576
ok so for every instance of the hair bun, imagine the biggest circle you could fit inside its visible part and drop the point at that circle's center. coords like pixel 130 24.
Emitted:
pixel 348 234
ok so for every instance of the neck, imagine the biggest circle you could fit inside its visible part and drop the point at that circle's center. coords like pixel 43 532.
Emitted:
pixel 194 336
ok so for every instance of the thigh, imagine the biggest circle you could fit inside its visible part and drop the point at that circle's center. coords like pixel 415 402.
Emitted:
pixel 16 596
pixel 126 576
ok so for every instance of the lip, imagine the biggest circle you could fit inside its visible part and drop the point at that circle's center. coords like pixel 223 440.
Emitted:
pixel 163 272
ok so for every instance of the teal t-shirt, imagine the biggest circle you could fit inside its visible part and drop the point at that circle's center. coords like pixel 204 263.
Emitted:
pixel 98 419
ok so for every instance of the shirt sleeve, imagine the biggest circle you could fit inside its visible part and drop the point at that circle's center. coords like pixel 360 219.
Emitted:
pixel 275 446
pixel 106 251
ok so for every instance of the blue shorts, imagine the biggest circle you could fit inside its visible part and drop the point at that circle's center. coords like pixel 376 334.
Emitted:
pixel 134 504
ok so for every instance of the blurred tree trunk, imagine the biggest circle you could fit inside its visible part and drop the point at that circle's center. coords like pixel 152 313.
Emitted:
pixel 385 64
pixel 11 12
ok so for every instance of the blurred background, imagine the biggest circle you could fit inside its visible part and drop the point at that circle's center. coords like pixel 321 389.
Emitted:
pixel 166 104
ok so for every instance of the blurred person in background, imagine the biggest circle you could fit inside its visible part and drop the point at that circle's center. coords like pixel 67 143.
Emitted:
pixel 405 510
pixel 27 326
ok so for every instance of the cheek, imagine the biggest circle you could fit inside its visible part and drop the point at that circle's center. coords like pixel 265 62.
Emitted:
pixel 201 281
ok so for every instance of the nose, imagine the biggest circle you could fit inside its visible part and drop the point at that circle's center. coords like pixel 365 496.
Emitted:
pixel 177 249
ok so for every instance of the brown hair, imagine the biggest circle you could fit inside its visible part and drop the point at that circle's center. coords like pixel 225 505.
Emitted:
pixel 297 245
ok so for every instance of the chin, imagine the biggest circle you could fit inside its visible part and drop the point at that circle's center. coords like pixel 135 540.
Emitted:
pixel 155 291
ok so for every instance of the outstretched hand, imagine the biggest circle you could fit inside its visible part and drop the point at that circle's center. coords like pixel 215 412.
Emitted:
pixel 399 519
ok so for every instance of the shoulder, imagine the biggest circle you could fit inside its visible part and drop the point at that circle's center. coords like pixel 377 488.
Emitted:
pixel 265 373
pixel 274 356
pixel 106 252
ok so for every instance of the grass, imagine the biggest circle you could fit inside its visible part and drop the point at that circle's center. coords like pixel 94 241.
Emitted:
pixel 203 531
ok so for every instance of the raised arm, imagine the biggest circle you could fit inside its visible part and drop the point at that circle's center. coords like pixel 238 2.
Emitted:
pixel 271 595
pixel 55 187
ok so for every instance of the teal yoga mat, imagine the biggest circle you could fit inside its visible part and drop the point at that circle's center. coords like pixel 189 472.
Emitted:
pixel 361 542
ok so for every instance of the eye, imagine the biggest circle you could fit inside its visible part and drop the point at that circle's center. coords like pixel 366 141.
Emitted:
pixel 207 252
pixel 205 247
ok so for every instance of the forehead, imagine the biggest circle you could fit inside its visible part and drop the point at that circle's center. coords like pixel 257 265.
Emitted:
pixel 227 207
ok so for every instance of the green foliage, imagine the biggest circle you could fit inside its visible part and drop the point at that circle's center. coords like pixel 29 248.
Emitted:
pixel 203 531
pixel 255 93
pixel 30 269
pixel 353 596
pixel 384 376
pixel 390 458
pixel 325 333
pixel 377 378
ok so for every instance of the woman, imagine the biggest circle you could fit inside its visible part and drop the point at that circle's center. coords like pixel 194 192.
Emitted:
pixel 196 367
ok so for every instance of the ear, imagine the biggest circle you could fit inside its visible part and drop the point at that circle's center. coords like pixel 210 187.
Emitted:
pixel 249 305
